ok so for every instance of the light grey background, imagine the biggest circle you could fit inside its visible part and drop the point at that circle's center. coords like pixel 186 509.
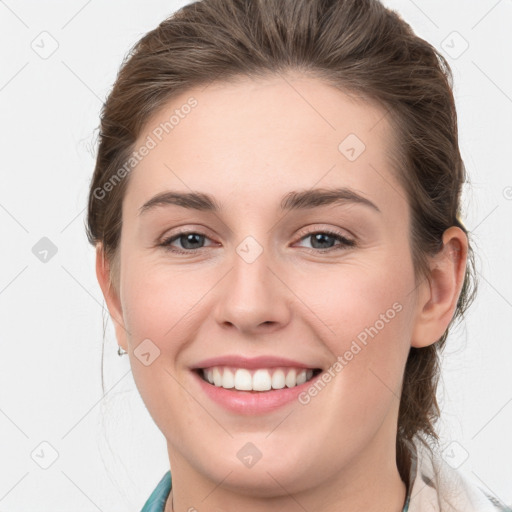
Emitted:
pixel 110 454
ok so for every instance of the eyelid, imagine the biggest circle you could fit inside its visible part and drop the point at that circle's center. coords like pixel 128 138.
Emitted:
pixel 319 228
pixel 345 242
pixel 184 230
pixel 165 240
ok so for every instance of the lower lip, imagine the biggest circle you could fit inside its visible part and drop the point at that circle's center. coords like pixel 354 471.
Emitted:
pixel 252 402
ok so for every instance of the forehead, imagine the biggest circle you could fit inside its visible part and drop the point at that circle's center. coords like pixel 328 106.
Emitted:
pixel 241 136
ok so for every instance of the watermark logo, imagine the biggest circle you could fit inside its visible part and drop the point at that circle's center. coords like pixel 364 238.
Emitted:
pixel 249 249
pixel 356 347
pixel 351 147
pixel 45 45
pixel 454 45
pixel 146 352
pixel 44 455
pixel 150 143
pixel 44 250
pixel 249 455
pixel 455 455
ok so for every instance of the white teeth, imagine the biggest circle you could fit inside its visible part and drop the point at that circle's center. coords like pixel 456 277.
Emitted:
pixel 243 380
pixel 301 377
pixel 262 379
pixel 291 378
pixel 228 379
pixel 278 379
pixel 217 377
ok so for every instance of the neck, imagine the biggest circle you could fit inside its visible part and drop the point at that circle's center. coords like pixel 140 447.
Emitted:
pixel 347 490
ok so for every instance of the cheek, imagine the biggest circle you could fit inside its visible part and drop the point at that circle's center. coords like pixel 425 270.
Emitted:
pixel 160 314
pixel 357 301
pixel 365 319
pixel 159 303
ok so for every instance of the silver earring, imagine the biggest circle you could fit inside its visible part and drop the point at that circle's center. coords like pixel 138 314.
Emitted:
pixel 121 351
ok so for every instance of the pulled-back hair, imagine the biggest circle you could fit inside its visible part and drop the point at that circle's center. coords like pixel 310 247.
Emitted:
pixel 358 46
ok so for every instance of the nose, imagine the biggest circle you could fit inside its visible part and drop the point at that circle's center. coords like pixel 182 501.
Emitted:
pixel 254 297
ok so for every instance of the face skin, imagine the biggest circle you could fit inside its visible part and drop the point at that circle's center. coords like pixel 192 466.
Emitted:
pixel 248 144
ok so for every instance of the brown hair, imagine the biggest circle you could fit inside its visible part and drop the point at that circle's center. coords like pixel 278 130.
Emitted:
pixel 359 46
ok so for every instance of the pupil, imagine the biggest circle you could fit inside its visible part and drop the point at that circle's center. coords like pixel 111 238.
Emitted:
pixel 321 237
pixel 318 238
pixel 189 239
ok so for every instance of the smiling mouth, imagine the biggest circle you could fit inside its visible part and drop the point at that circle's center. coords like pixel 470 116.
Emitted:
pixel 258 380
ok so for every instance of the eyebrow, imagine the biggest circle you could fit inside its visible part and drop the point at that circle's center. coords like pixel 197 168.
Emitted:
pixel 295 200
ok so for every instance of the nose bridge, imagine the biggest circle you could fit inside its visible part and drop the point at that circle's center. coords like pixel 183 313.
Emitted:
pixel 252 295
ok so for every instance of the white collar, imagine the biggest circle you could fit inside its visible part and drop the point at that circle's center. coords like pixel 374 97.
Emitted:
pixel 437 487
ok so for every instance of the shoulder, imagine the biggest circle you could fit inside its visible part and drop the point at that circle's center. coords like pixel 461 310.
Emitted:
pixel 437 487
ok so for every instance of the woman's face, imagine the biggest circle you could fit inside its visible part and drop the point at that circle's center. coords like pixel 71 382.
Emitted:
pixel 279 271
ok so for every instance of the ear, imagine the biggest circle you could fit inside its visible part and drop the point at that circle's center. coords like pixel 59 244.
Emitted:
pixel 438 295
pixel 104 274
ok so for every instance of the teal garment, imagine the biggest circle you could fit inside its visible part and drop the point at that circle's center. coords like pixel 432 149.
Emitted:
pixel 156 502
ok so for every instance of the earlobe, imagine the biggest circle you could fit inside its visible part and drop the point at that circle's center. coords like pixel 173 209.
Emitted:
pixel 104 274
pixel 439 293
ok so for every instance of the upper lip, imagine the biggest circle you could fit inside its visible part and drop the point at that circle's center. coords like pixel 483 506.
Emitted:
pixel 253 362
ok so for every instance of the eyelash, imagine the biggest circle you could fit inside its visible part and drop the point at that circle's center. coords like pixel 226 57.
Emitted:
pixel 345 242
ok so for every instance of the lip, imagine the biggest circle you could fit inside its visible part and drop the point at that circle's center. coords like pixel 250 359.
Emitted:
pixel 251 402
pixel 251 363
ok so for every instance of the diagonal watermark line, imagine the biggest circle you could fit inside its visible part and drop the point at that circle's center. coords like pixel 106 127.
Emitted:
pixel 212 81
pixel 380 119
pixel 491 419
pixel 14 423
pixel 13 279
pixel 13 13
pixel 494 496
pixel 194 398
pixel 82 286
pixel 76 14
pixel 72 220
pixel 81 81
pixel 303 303
pixel 102 398
pixel 424 13
pixel 206 293
pixel 217 486
pixel 384 383
pixel 416 286
pixel 288 493
pixel 316 110
pixel 95 299
pixel 492 81
pixel 88 497
pixel 13 218
pixel 14 76
pixel 494 288
pixel 280 423
pixel 492 211
pixel 10 490
pixel 224 225
pixel 311 188
pixel 388 182
pixel 485 15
